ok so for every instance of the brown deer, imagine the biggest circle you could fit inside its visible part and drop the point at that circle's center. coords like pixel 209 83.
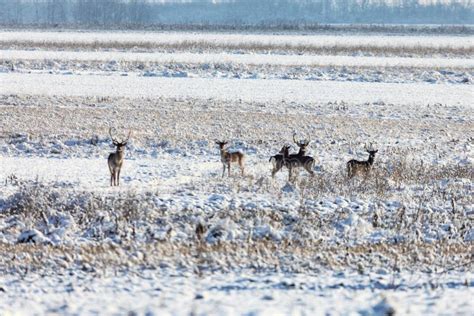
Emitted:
pixel 300 159
pixel 361 167
pixel 115 160
pixel 229 157
pixel 279 159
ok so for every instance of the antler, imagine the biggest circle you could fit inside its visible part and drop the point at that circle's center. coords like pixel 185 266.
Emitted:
pixel 294 139
pixel 128 136
pixel 112 136
pixel 115 141
pixel 299 143
pixel 368 148
pixel 221 142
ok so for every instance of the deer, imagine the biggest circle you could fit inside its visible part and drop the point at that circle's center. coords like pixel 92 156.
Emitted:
pixel 115 159
pixel 279 159
pixel 300 159
pixel 293 161
pixel 228 157
pixel 361 167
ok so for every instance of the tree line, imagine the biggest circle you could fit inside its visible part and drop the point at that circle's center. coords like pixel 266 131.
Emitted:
pixel 143 13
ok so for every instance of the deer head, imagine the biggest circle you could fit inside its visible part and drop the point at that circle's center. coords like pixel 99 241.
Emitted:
pixel 370 149
pixel 302 144
pixel 221 144
pixel 285 150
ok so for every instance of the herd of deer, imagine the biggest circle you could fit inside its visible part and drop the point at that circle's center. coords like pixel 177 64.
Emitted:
pixel 280 160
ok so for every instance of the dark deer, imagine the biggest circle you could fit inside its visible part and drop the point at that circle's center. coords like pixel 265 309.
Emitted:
pixel 300 159
pixel 115 160
pixel 355 167
pixel 229 157
pixel 279 159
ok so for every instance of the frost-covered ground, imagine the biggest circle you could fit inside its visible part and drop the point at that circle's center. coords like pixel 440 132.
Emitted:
pixel 242 66
pixel 176 237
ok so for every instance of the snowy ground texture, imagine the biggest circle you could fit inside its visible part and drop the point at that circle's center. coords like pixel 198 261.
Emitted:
pixel 176 237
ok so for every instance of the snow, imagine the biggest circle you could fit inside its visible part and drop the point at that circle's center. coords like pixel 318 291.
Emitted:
pixel 178 238
pixel 324 293
pixel 228 89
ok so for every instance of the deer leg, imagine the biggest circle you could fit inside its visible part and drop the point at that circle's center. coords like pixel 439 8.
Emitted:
pixel 228 168
pixel 366 173
pixel 349 172
pixel 223 170
pixel 274 171
pixel 111 174
pixel 276 168
pixel 118 176
pixel 309 168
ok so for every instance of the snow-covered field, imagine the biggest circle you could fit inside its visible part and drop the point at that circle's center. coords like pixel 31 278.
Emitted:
pixel 176 237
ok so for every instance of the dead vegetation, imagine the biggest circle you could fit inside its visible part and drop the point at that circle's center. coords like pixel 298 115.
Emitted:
pixel 427 229
pixel 262 255
pixel 250 47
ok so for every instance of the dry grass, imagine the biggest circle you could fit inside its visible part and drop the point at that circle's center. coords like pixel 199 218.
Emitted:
pixel 215 46
pixel 389 180
pixel 122 229
pixel 258 255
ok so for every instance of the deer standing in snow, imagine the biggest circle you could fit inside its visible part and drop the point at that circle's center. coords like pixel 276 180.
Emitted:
pixel 115 159
pixel 279 159
pixel 229 157
pixel 300 159
pixel 361 167
pixel 293 161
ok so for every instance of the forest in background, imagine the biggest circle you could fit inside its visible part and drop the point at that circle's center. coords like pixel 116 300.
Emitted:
pixel 283 14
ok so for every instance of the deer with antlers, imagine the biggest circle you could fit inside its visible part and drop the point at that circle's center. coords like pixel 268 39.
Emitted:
pixel 355 167
pixel 293 161
pixel 115 159
pixel 300 159
pixel 228 157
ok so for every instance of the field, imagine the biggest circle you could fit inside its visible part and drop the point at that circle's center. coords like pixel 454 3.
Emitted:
pixel 178 238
